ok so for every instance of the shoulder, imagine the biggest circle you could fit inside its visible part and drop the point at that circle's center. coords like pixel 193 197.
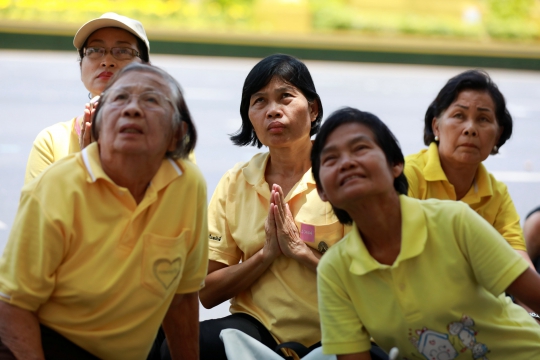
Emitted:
pixel 250 170
pixel 59 178
pixel 56 132
pixel 416 162
pixel 337 255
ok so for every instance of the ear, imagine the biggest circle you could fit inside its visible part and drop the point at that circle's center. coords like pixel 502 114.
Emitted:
pixel 177 136
pixel 313 110
pixel 435 126
pixel 322 194
pixel 397 170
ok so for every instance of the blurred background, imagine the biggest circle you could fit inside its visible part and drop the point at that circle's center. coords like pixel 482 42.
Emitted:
pixel 389 57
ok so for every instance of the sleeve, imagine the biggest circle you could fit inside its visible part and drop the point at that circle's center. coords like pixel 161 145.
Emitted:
pixel 222 247
pixel 35 249
pixel 41 155
pixel 342 330
pixel 494 263
pixel 507 221
pixel 196 266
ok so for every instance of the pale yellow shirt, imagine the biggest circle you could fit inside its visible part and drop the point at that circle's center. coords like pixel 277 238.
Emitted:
pixel 488 197
pixel 95 266
pixel 441 298
pixel 284 298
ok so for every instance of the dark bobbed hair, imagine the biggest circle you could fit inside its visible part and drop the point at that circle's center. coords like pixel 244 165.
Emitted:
pixel 477 80
pixel 290 70
pixel 181 111
pixel 144 55
pixel 384 138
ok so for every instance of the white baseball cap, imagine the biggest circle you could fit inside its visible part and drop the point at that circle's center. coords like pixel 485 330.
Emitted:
pixel 110 19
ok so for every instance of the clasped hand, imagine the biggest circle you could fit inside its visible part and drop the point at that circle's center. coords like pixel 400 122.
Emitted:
pixel 85 137
pixel 282 235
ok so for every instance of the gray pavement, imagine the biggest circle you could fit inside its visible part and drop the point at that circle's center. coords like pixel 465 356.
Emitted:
pixel 42 88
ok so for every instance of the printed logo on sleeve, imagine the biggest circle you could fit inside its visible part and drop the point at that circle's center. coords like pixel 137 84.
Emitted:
pixel 214 237
pixel 307 232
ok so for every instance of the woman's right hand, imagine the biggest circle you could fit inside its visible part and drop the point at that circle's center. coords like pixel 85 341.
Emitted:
pixel 271 249
pixel 85 137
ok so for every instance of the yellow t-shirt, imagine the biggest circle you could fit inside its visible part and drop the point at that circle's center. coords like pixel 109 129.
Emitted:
pixel 95 266
pixel 54 143
pixel 488 197
pixel 284 298
pixel 440 299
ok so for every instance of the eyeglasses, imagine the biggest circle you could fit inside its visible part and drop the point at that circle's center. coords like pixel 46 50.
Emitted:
pixel 149 100
pixel 119 53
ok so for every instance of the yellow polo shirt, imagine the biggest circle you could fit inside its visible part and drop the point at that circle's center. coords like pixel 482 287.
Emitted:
pixel 441 299
pixel 284 298
pixel 488 197
pixel 54 143
pixel 95 266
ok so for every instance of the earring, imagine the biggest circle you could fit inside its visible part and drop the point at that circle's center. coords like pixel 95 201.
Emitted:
pixel 495 149
pixel 436 138
pixel 90 96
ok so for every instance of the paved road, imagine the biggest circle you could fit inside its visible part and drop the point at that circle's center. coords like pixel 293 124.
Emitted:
pixel 42 88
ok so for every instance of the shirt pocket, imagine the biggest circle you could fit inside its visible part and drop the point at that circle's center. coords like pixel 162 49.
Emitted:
pixel 163 262
pixel 320 237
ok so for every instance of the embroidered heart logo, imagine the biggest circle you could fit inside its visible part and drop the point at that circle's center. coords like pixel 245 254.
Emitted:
pixel 432 342
pixel 166 271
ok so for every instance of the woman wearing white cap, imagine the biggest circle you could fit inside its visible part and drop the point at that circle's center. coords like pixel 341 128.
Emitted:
pixel 105 45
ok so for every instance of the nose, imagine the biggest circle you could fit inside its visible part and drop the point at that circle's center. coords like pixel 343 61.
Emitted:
pixel 274 111
pixel 347 162
pixel 470 129
pixel 108 60
pixel 132 108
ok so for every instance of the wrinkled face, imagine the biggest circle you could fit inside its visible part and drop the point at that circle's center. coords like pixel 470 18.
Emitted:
pixel 95 73
pixel 137 118
pixel 468 130
pixel 353 166
pixel 280 114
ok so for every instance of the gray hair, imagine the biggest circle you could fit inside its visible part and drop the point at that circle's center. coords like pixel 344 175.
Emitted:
pixel 181 111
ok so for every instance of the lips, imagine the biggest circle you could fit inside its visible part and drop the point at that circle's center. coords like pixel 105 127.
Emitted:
pixel 131 129
pixel 348 178
pixel 105 75
pixel 469 145
pixel 275 125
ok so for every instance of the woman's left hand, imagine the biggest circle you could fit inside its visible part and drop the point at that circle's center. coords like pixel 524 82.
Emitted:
pixel 289 240
pixel 85 137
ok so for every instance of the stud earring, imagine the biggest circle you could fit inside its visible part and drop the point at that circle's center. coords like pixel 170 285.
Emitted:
pixel 495 149
pixel 436 138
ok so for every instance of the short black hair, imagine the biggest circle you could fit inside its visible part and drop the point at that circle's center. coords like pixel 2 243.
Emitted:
pixel 181 113
pixel 384 138
pixel 477 80
pixel 144 55
pixel 290 70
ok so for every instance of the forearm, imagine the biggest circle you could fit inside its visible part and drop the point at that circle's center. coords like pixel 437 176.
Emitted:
pixel 19 331
pixel 525 256
pixel 309 258
pixel 224 284
pixel 181 326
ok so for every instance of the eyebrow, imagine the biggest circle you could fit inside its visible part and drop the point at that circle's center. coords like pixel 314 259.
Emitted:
pixel 278 90
pixel 478 108
pixel 351 141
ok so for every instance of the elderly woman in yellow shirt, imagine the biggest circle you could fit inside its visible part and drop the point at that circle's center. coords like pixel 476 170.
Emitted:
pixel 110 242
pixel 467 122
pixel 425 276
pixel 105 45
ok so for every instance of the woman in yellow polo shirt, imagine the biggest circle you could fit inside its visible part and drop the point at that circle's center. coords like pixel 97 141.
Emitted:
pixel 105 45
pixel 111 242
pixel 425 276
pixel 268 227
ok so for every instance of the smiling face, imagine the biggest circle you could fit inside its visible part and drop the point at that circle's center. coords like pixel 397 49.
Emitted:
pixel 95 74
pixel 468 130
pixel 281 115
pixel 353 166
pixel 133 129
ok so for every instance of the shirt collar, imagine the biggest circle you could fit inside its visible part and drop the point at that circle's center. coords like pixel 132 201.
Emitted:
pixel 413 239
pixel 433 170
pixel 254 175
pixel 167 172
